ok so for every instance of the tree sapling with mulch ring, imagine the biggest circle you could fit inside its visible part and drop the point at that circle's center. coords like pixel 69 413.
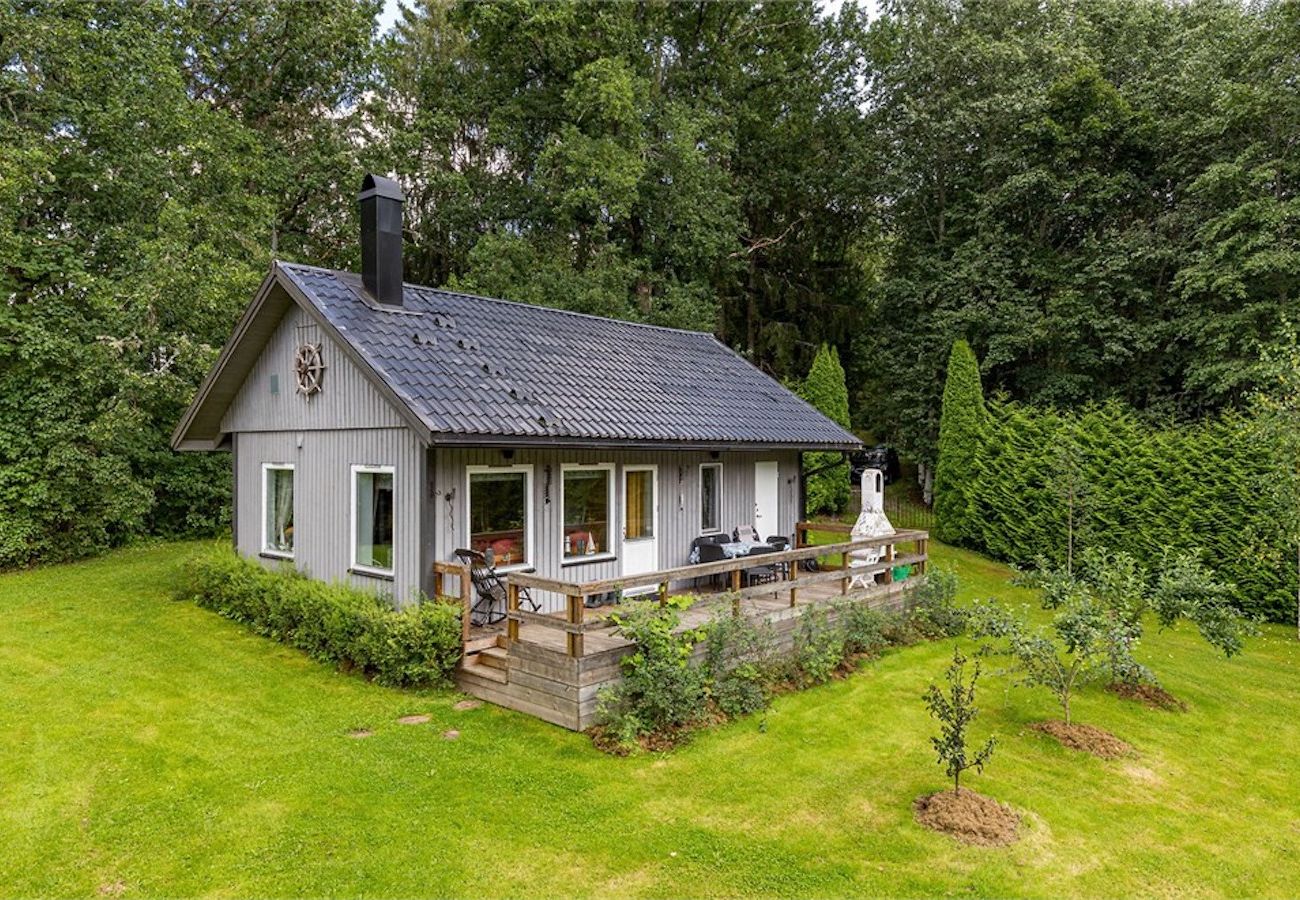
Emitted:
pixel 964 814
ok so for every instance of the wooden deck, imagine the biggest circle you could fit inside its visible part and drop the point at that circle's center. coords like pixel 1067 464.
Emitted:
pixel 553 666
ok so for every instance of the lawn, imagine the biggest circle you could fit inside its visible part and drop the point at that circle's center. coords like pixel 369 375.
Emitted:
pixel 148 747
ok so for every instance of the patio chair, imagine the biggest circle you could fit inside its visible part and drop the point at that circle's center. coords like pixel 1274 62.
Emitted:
pixel 761 574
pixel 490 589
pixel 746 533
pixel 710 552
pixel 780 542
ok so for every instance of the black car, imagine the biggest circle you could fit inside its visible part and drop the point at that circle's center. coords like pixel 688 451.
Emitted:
pixel 881 456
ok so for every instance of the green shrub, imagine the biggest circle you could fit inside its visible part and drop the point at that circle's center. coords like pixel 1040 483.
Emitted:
pixel 935 613
pixel 818 647
pixel 334 623
pixel 862 628
pixel 961 445
pixel 740 663
pixel 661 690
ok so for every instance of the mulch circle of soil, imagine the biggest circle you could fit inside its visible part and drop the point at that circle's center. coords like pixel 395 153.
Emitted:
pixel 969 817
pixel 1151 695
pixel 414 720
pixel 1086 738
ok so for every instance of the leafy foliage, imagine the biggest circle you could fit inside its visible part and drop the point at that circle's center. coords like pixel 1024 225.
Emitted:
pixel 828 488
pixel 1073 652
pixel 334 623
pixel 961 443
pixel 955 709
pixel 1152 489
pixel 661 690
pixel 935 612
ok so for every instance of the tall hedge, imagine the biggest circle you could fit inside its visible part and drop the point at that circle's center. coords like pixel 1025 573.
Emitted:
pixel 961 441
pixel 1150 489
pixel 825 388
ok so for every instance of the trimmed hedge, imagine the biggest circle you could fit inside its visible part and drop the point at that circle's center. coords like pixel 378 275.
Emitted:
pixel 1138 487
pixel 334 623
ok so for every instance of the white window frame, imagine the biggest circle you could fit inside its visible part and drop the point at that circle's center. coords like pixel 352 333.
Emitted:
pixel 266 549
pixel 612 526
pixel 355 566
pixel 711 465
pixel 530 521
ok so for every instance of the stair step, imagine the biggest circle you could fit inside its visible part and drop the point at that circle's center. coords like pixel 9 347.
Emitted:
pixel 494 657
pixel 477 644
pixel 487 673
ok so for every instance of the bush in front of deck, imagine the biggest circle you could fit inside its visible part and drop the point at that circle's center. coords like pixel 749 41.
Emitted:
pixel 334 623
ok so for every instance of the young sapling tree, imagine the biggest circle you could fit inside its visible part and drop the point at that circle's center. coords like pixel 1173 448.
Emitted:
pixel 955 709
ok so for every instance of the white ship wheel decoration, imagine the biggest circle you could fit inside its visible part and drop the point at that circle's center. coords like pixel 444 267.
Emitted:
pixel 309 367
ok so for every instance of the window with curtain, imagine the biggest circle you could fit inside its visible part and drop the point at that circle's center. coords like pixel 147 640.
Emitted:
pixel 277 529
pixel 373 520
pixel 711 497
pixel 586 512
pixel 498 515
pixel 640 513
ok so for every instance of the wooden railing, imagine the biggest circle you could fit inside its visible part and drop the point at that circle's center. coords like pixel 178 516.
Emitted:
pixel 789 562
pixel 464 590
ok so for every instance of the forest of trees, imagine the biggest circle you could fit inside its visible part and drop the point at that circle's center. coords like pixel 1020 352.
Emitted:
pixel 1100 196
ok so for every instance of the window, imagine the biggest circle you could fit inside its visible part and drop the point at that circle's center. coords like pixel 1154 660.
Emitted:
pixel 372 519
pixel 710 497
pixel 587 506
pixel 500 514
pixel 277 509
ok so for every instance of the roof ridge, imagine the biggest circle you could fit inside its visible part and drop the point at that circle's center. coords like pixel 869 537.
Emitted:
pixel 555 309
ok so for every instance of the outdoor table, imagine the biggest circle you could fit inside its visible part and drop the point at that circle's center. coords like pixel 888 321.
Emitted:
pixel 736 549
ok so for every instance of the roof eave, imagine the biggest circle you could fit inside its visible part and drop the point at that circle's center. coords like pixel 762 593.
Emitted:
pixel 507 441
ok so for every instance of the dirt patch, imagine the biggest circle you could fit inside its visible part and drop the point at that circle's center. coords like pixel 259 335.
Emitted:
pixel 451 735
pixel 1152 695
pixel 422 719
pixel 360 733
pixel 467 704
pixel 1086 738
pixel 112 888
pixel 969 817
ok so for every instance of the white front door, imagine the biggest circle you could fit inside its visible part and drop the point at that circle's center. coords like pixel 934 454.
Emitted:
pixel 767 488
pixel 640 523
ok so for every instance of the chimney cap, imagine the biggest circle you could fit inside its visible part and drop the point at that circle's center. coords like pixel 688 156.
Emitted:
pixel 379 186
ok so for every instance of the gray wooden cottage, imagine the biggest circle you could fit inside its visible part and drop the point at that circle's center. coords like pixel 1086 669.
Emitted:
pixel 375 427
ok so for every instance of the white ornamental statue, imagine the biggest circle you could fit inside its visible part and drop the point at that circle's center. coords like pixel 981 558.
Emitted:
pixel 872 522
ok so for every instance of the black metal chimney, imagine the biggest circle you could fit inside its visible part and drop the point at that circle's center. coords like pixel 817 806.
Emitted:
pixel 381 238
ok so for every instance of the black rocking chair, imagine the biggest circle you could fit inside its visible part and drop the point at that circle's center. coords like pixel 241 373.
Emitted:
pixel 490 588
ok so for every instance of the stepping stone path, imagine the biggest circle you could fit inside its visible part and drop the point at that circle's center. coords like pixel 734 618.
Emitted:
pixel 360 733
pixel 450 735
pixel 467 704
pixel 414 720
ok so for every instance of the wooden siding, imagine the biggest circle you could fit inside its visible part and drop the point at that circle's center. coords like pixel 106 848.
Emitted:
pixel 346 400
pixel 323 495
pixel 679 501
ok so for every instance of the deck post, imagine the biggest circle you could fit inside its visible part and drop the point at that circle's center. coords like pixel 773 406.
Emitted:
pixel 512 607
pixel 465 605
pixel 663 594
pixel 923 548
pixel 844 567
pixel 793 573
pixel 575 639
pixel 889 558
pixel 735 579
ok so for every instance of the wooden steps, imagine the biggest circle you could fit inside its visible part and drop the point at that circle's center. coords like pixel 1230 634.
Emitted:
pixel 473 671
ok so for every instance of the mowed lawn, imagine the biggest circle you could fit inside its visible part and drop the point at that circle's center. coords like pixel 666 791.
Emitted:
pixel 148 747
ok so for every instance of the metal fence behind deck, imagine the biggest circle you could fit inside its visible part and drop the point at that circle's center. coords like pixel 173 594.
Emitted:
pixel 904 512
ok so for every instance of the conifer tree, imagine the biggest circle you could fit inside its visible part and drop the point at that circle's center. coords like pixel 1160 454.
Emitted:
pixel 825 388
pixel 961 438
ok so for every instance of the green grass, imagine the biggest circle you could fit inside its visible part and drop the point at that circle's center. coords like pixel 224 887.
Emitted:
pixel 150 747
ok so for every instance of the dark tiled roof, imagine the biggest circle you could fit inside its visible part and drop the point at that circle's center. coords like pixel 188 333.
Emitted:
pixel 475 366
